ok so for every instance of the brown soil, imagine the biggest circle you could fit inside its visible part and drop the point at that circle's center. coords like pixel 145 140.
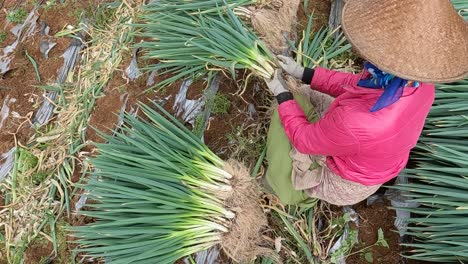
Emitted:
pixel 104 116
pixel 238 121
pixel 38 253
pixel 105 113
pixel 320 10
pixel 61 15
pixel 44 250
pixel 20 83
pixel 372 219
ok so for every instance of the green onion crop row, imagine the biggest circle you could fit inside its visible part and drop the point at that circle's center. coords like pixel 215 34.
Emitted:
pixel 439 183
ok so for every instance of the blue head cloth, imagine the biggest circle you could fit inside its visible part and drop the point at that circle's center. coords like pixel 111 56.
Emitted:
pixel 393 86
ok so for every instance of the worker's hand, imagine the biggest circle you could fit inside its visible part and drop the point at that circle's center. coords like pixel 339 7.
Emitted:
pixel 277 84
pixel 290 66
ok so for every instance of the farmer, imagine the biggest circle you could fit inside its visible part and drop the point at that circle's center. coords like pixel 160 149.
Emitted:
pixel 367 123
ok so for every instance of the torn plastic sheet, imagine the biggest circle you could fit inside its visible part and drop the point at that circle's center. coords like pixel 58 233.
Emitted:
pixel 341 259
pixel 187 109
pixel 123 110
pixel 45 29
pixel 208 95
pixel 87 259
pixel 120 120
pixel 251 111
pixel 375 198
pixel 21 31
pixel 81 202
pixel 7 161
pixel 209 256
pixel 334 21
pixel 354 217
pixel 5 111
pixel 162 101
pixel 70 56
pixel 46 45
pixel 399 200
pixel 151 78
pixel 132 71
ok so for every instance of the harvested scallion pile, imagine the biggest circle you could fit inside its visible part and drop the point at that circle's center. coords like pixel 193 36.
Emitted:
pixel 189 46
pixel 160 194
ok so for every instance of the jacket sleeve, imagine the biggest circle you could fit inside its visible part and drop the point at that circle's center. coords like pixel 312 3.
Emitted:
pixel 329 136
pixel 331 82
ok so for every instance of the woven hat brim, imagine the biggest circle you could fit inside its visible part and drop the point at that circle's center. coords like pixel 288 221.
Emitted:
pixel 415 48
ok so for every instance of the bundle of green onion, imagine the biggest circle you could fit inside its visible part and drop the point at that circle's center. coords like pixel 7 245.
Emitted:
pixel 160 194
pixel 439 181
pixel 320 48
pixel 190 45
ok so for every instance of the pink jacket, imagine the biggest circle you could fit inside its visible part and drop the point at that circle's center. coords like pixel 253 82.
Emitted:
pixel 364 147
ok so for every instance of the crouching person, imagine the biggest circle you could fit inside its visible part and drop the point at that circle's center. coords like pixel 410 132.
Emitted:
pixel 350 133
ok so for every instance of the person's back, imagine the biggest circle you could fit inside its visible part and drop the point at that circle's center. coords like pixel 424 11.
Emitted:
pixel 376 117
pixel 385 137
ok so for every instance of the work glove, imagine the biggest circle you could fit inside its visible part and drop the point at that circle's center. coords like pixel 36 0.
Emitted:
pixel 277 84
pixel 290 66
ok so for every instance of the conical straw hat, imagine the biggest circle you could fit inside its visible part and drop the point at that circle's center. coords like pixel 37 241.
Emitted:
pixel 421 40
